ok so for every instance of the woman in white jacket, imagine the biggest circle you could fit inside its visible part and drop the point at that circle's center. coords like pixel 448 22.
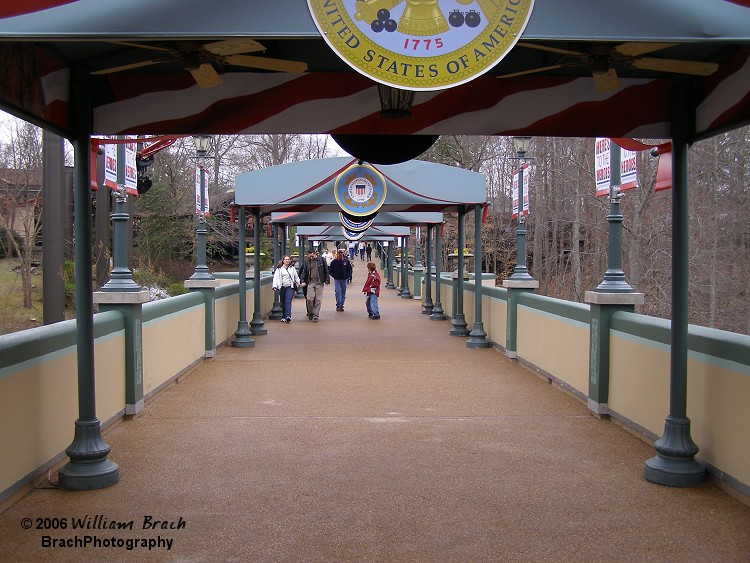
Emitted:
pixel 285 281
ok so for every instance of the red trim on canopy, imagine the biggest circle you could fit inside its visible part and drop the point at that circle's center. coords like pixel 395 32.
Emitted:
pixel 663 151
pixel 21 7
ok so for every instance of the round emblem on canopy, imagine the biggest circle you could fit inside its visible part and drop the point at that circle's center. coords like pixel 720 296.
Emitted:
pixel 360 190
pixel 351 235
pixel 354 225
pixel 421 44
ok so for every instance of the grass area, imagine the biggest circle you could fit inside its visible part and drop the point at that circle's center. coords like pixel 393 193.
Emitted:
pixel 13 315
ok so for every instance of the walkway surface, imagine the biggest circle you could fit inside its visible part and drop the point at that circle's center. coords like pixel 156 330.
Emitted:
pixel 361 440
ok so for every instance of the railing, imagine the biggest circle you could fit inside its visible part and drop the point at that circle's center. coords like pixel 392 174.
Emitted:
pixel 38 373
pixel 553 339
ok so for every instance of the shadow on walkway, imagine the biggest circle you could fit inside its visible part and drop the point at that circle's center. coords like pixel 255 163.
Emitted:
pixel 361 440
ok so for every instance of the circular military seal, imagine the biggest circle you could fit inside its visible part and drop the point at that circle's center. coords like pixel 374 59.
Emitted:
pixel 360 190
pixel 352 235
pixel 421 44
pixel 354 225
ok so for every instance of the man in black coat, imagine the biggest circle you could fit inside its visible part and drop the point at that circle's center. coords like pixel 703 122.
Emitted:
pixel 341 272
pixel 313 278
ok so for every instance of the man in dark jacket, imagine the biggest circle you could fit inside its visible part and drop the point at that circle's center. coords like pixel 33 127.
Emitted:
pixel 341 272
pixel 313 278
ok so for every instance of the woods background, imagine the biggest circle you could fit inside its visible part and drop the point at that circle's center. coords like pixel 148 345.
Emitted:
pixel 567 228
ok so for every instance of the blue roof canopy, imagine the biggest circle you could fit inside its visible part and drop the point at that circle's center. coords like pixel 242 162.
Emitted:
pixel 305 186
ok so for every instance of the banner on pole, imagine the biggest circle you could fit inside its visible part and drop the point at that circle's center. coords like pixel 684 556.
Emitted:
pixel 198 209
pixel 525 170
pixel 131 172
pixel 110 164
pixel 603 172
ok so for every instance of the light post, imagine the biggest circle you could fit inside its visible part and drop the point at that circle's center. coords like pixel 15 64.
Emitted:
pixel 521 272
pixel 121 278
pixel 202 145
pixel 614 278
pixel 521 281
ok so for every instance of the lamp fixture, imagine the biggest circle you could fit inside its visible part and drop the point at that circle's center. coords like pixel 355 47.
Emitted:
pixel 394 102
pixel 521 144
pixel 202 144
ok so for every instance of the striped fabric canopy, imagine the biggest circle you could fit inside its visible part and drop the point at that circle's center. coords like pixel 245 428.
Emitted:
pixel 52 51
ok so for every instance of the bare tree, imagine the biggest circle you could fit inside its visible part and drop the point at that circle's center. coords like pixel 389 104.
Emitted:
pixel 20 196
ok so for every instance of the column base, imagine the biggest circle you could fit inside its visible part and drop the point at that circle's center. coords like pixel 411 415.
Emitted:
pixel 242 338
pixel 600 409
pixel 437 313
pixel 459 326
pixel 674 464
pixel 478 338
pixel 256 325
pixel 132 410
pixel 275 314
pixel 88 468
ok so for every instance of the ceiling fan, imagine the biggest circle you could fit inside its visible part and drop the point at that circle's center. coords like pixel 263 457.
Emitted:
pixel 200 60
pixel 602 59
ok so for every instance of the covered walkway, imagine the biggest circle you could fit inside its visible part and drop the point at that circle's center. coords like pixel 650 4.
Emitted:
pixel 360 440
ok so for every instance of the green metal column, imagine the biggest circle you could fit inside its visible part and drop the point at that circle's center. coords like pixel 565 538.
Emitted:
pixel 391 262
pixel 675 464
pixel 276 310
pixel 478 335
pixel 459 319
pixel 257 324
pixel 242 337
pixel 428 304
pixel 405 293
pixel 89 466
pixel 437 310
pixel 53 201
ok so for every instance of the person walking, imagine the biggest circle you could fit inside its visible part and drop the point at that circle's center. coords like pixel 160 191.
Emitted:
pixel 341 272
pixel 368 250
pixel 362 251
pixel 285 281
pixel 313 278
pixel 372 290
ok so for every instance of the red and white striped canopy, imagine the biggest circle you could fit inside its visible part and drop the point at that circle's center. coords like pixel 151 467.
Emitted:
pixel 50 48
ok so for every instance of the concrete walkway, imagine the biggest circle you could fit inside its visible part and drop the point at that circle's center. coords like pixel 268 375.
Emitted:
pixel 361 440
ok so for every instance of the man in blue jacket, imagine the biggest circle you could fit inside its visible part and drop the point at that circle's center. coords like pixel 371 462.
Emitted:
pixel 341 272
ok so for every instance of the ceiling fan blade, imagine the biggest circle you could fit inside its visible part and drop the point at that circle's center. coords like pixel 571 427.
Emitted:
pixel 532 71
pixel 265 63
pixel 673 65
pixel 606 81
pixel 129 66
pixel 206 76
pixel 636 49
pixel 539 47
pixel 233 47
pixel 142 46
